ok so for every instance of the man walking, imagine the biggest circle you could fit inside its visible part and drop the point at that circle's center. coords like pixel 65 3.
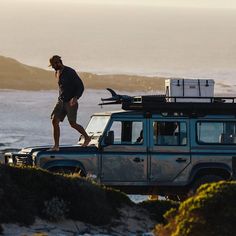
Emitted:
pixel 70 90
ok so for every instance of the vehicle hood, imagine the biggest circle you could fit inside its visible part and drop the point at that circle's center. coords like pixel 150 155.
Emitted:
pixel 30 150
pixel 63 149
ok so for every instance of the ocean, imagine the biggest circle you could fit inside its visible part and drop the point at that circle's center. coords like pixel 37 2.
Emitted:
pixel 25 117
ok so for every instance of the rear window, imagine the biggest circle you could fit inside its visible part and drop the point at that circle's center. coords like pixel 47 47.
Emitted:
pixel 216 132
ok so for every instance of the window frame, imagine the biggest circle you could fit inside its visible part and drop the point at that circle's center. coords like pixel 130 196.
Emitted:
pixel 212 121
pixel 132 120
pixel 170 145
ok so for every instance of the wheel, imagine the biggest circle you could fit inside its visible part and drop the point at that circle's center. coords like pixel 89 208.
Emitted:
pixel 204 180
pixel 68 171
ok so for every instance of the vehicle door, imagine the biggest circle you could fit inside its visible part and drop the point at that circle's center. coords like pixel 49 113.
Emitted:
pixel 124 157
pixel 169 148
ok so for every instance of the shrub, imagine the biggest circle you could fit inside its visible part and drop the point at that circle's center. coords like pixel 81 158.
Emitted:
pixel 211 212
pixel 55 209
pixel 24 191
pixel 158 208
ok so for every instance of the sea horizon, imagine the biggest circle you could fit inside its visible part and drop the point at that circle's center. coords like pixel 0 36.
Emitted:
pixel 123 39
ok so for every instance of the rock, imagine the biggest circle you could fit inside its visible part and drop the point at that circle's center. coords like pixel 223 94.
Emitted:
pixel 133 221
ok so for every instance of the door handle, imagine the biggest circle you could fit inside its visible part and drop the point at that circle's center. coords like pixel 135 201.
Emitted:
pixel 137 159
pixel 181 159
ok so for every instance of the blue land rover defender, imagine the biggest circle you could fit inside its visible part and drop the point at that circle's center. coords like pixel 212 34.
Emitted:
pixel 153 146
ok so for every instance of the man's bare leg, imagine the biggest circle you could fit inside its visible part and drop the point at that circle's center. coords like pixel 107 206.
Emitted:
pixel 81 130
pixel 56 133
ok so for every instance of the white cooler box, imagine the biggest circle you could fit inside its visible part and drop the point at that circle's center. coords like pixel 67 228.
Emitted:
pixel 189 88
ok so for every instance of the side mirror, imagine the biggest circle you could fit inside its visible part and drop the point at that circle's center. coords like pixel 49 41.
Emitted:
pixel 109 138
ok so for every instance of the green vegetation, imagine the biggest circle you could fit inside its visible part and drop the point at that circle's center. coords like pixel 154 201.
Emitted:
pixel 157 208
pixel 27 193
pixel 211 212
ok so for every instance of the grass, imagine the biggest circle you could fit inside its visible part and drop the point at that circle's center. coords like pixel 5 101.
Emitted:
pixel 157 208
pixel 211 212
pixel 27 193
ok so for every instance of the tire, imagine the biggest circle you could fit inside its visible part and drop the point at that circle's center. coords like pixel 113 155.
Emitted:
pixel 68 171
pixel 203 180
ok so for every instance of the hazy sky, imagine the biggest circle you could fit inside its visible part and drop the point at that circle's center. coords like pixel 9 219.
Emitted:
pixel 175 3
pixel 182 38
pixel 167 3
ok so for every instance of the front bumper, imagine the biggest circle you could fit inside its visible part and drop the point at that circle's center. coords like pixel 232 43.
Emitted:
pixel 18 159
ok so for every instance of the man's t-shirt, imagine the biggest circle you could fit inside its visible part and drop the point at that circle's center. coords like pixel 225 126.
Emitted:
pixel 70 84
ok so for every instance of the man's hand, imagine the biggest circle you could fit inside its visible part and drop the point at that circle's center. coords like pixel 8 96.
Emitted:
pixel 73 101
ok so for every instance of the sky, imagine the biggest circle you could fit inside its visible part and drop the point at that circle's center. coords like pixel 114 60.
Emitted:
pixel 165 3
pixel 184 38
pixel 170 3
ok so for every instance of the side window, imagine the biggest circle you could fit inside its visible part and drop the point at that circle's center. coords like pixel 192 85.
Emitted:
pixel 127 132
pixel 169 133
pixel 116 128
pixel 216 132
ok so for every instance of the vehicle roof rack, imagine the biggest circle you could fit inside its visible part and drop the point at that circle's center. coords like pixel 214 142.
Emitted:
pixel 164 104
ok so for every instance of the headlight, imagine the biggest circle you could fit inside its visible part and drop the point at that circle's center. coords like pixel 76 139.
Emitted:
pixel 34 158
pixel 10 161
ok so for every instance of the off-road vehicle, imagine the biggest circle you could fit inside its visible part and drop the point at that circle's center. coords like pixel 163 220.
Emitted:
pixel 155 145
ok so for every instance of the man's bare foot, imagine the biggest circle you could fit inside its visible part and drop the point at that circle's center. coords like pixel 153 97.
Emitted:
pixel 86 141
pixel 54 149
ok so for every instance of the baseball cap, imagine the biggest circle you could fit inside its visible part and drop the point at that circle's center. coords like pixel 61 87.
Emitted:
pixel 54 58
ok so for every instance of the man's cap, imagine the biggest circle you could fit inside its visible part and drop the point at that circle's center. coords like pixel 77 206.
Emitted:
pixel 54 58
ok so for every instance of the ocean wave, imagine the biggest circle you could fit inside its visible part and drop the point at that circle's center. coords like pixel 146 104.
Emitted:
pixel 9 141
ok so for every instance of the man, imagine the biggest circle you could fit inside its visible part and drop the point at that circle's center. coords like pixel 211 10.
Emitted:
pixel 70 90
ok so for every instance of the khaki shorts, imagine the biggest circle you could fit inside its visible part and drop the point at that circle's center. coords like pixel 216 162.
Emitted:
pixel 63 109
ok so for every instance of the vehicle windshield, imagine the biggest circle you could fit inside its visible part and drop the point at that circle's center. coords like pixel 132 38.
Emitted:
pixel 97 125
